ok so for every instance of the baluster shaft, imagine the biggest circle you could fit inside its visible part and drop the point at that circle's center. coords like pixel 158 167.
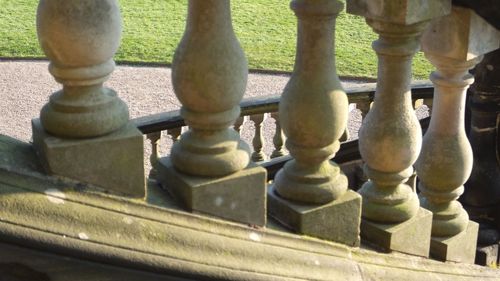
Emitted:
pixel 258 140
pixel 390 137
pixel 313 113
pixel 83 108
pixel 154 139
pixel 84 131
pixel 278 138
pixel 209 89
pixel 208 168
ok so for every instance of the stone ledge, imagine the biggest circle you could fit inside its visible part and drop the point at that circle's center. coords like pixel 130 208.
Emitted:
pixel 158 240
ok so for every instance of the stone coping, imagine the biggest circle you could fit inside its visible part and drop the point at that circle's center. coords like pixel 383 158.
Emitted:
pixel 58 216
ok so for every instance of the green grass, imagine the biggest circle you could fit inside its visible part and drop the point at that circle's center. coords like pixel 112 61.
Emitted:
pixel 153 28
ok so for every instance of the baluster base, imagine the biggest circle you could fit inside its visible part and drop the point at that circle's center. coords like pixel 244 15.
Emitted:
pixel 335 221
pixel 239 197
pixel 410 237
pixel 114 162
pixel 457 248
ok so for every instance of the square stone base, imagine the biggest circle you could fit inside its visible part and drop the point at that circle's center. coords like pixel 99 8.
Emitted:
pixel 411 237
pixel 336 221
pixel 239 197
pixel 458 248
pixel 114 162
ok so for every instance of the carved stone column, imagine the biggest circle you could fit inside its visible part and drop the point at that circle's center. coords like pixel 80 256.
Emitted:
pixel 310 193
pixel 83 131
pixel 208 168
pixel 390 137
pixel 454 45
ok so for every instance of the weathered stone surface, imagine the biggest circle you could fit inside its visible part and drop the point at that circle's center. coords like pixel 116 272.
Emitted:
pixel 71 229
pixel 114 162
pixel 336 221
pixel 463 35
pixel 313 109
pixel 411 237
pixel 240 196
pixel 400 12
pixel 458 248
pixel 209 75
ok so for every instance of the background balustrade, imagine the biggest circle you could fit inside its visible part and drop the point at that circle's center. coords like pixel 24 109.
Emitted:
pixel 170 122
pixel 258 139
pixel 278 138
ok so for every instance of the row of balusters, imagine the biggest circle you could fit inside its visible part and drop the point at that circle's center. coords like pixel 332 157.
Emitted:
pixel 208 168
pixel 258 140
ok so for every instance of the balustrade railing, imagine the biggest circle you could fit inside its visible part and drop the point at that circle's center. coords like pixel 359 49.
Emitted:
pixel 171 123
pixel 84 132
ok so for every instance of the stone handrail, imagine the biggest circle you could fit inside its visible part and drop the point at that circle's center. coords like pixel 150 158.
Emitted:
pixel 172 122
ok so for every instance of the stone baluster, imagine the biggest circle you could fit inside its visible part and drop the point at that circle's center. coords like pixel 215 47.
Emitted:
pixel 278 138
pixel 310 193
pixel 390 137
pixel 154 139
pixel 84 131
pixel 208 168
pixel 258 140
pixel 453 44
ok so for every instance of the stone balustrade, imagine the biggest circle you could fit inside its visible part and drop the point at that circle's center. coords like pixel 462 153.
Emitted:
pixel 84 132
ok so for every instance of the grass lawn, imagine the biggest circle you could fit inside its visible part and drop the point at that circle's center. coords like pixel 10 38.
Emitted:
pixel 153 28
